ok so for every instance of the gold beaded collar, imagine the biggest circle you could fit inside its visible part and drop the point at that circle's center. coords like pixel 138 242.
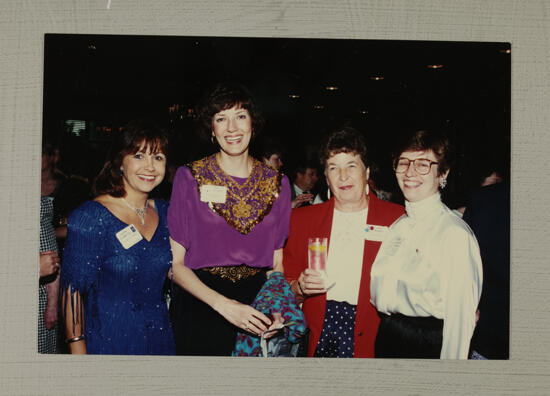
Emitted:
pixel 246 204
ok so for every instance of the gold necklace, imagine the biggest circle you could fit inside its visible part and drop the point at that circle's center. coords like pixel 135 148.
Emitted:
pixel 242 209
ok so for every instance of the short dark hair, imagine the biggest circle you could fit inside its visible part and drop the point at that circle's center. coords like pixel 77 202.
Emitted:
pixel 268 146
pixel 133 136
pixel 425 140
pixel 302 166
pixel 343 140
pixel 224 96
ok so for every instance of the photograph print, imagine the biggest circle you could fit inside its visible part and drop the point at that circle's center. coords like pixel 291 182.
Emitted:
pixel 224 196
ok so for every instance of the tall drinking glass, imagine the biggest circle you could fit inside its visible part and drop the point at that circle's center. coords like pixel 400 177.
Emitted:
pixel 317 253
pixel 317 259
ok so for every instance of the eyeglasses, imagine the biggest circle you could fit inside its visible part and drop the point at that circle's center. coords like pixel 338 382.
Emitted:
pixel 421 165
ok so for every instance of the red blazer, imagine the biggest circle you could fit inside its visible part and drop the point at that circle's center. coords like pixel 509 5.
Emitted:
pixel 316 221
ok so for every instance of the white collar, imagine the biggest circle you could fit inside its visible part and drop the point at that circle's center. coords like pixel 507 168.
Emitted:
pixel 298 189
pixel 420 209
pixel 357 213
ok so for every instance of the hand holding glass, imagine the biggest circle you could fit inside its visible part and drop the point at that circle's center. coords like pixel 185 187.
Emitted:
pixel 317 258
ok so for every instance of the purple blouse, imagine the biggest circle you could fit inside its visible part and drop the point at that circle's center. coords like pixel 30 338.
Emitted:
pixel 210 241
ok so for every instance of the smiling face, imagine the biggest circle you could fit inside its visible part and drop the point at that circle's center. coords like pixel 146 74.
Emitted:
pixel 347 178
pixel 232 129
pixel 416 187
pixel 142 171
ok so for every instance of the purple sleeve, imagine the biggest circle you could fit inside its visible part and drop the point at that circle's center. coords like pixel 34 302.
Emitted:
pixel 283 210
pixel 178 216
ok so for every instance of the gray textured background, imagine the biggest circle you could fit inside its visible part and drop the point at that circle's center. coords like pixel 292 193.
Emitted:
pixel 526 24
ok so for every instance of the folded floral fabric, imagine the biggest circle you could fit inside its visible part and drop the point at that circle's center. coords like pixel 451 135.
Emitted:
pixel 275 296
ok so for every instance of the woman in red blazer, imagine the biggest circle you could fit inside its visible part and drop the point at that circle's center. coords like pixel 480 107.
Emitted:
pixel 341 319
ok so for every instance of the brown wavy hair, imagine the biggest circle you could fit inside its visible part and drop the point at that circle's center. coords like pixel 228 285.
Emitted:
pixel 224 96
pixel 133 136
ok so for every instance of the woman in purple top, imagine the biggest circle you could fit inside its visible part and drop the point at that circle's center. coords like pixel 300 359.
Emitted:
pixel 228 220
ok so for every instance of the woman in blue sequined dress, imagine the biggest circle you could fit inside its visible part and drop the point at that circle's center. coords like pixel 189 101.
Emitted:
pixel 117 254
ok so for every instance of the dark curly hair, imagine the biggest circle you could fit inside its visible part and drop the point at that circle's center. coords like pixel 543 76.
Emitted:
pixel 224 96
pixel 343 140
pixel 132 137
pixel 425 140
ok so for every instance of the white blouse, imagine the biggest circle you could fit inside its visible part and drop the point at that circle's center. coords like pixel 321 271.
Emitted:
pixel 345 255
pixel 429 265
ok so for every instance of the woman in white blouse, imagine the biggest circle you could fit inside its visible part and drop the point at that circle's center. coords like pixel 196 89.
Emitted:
pixel 426 280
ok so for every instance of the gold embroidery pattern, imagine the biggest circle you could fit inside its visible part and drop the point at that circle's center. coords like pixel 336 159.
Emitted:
pixel 242 210
pixel 246 205
pixel 233 273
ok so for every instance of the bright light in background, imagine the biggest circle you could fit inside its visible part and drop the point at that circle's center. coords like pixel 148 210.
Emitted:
pixel 76 127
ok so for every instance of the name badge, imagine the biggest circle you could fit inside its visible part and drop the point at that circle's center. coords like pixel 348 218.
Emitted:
pixel 375 232
pixel 211 193
pixel 128 236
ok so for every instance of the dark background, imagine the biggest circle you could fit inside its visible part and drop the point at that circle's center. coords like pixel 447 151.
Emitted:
pixel 383 86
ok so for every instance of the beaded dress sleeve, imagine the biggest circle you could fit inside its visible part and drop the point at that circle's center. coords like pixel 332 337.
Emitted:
pixel 82 259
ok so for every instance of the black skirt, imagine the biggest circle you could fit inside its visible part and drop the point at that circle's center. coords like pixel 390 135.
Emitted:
pixel 198 329
pixel 401 336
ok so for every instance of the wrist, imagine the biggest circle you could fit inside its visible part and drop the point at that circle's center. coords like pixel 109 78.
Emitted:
pixel 296 288
pixel 78 348
pixel 75 339
pixel 218 303
pixel 298 292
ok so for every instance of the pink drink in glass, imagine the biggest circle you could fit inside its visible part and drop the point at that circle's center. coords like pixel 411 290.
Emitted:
pixel 317 253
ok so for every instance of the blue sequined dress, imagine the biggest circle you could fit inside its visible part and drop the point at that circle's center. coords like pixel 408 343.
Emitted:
pixel 120 289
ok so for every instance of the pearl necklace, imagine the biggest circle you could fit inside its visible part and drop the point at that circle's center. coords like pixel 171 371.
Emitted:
pixel 139 212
